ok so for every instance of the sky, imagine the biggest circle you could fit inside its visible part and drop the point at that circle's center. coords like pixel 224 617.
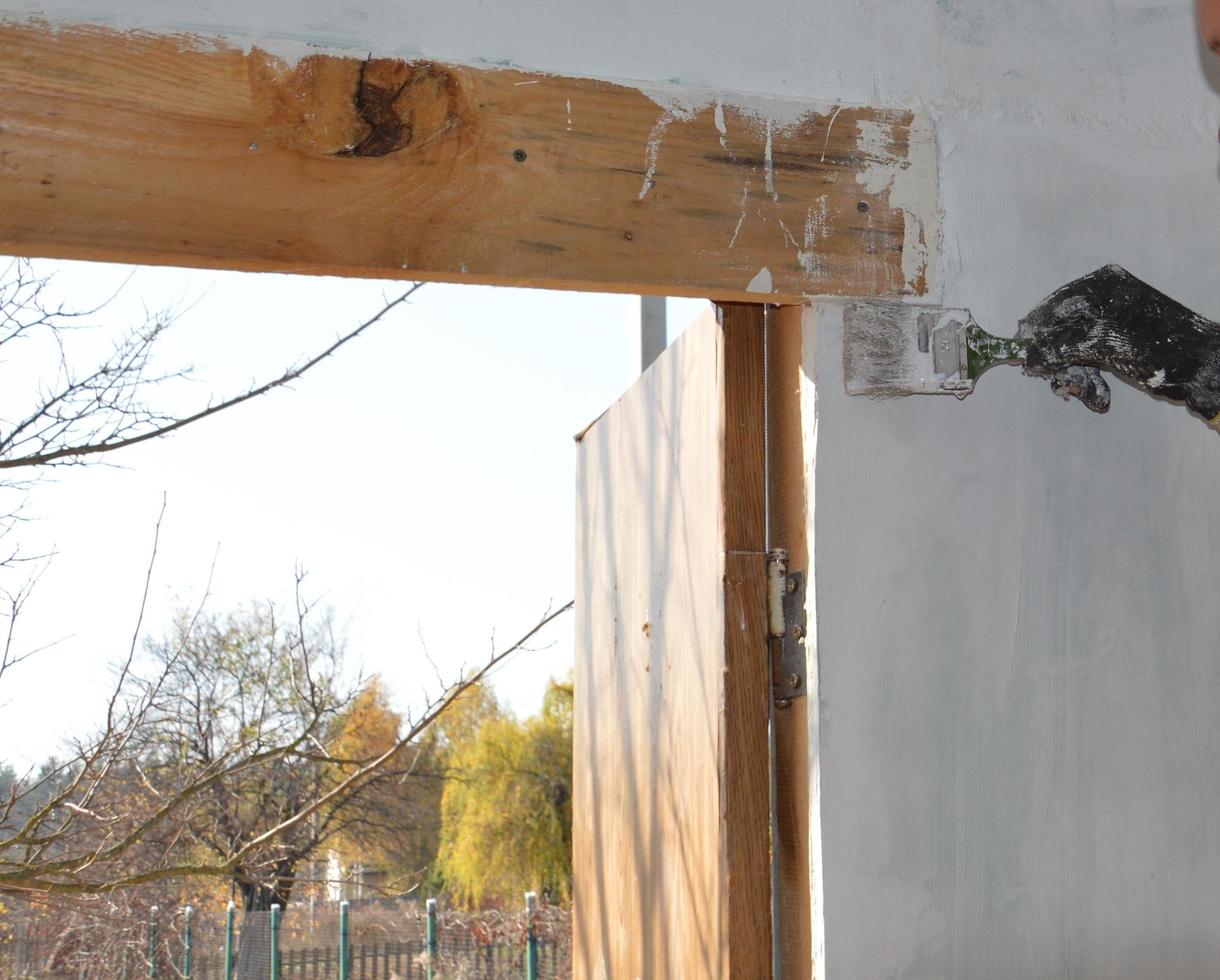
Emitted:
pixel 423 478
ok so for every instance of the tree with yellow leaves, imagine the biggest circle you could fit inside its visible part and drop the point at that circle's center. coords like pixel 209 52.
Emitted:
pixel 394 827
pixel 506 813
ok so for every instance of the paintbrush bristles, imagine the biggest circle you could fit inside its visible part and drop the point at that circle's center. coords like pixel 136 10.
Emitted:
pixel 889 349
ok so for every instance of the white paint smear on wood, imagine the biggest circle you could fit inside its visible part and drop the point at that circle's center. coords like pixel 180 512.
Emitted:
pixel 909 181
pixel 761 283
pixel 652 152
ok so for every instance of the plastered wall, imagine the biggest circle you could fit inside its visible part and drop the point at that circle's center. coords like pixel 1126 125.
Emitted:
pixel 1018 625
pixel 1019 676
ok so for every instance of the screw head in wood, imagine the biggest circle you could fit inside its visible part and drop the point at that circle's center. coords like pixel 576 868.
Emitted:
pixel 519 155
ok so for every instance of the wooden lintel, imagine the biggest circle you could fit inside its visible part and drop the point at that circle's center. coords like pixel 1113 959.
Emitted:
pixel 177 150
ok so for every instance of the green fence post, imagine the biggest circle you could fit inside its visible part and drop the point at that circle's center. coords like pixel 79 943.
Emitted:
pixel 275 941
pixel 431 939
pixel 345 941
pixel 152 941
pixel 531 938
pixel 230 916
pixel 187 914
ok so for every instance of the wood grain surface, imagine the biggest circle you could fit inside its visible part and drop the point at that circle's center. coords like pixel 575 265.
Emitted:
pixel 190 151
pixel 787 460
pixel 670 835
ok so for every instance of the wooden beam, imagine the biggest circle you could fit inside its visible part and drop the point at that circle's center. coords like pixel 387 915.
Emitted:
pixel 789 529
pixel 746 696
pixel 177 150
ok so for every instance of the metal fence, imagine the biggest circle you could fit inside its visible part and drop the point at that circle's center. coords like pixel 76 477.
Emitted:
pixel 368 941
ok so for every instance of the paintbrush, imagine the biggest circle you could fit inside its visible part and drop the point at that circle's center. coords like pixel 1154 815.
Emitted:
pixel 895 349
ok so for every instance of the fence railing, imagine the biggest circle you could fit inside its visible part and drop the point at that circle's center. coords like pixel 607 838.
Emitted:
pixel 533 943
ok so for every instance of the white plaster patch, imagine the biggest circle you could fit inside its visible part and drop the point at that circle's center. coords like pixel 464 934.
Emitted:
pixel 718 119
pixel 910 184
pixel 680 102
pixel 1157 379
pixel 783 114
pixel 882 163
pixel 761 283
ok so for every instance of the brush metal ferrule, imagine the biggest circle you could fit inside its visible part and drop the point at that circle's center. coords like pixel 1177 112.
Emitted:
pixel 944 334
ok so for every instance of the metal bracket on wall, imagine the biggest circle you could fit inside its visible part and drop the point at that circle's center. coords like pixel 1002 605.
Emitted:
pixel 787 615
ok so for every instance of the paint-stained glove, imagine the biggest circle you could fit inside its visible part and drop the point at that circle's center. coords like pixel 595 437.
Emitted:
pixel 1111 321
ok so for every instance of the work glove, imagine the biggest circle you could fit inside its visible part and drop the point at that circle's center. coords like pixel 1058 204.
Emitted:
pixel 1111 321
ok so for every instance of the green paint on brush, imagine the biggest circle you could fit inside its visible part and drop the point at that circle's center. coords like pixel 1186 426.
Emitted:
pixel 984 350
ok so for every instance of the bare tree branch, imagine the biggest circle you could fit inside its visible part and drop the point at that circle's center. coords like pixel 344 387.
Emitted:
pixel 92 864
pixel 107 395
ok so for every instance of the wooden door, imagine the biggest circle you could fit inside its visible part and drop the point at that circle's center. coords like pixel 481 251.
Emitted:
pixel 671 795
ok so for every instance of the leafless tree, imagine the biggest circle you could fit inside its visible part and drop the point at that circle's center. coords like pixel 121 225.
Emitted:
pixel 158 795
pixel 154 794
pixel 58 409
pixel 55 412
pixel 80 412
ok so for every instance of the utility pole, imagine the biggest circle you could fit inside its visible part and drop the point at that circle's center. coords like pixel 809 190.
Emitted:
pixel 652 329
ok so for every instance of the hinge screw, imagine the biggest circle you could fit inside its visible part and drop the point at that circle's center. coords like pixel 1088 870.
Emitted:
pixel 791 586
pixel 794 681
pixel 797 631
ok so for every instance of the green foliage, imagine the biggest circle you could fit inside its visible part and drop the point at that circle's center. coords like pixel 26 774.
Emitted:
pixel 460 723
pixel 394 828
pixel 506 813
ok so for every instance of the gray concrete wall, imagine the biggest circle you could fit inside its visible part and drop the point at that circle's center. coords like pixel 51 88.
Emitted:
pixel 1018 642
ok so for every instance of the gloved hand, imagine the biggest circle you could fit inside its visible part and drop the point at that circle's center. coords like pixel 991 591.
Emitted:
pixel 1111 321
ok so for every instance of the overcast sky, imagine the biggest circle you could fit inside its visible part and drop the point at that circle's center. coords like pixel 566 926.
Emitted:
pixel 423 477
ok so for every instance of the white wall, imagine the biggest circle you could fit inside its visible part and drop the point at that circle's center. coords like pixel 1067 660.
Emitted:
pixel 1019 635
pixel 1019 670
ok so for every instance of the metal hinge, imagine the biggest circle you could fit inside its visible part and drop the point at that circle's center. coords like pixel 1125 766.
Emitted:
pixel 786 616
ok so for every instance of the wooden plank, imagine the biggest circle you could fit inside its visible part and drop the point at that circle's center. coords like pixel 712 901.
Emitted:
pixel 189 151
pixel 670 843
pixel 747 679
pixel 789 529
